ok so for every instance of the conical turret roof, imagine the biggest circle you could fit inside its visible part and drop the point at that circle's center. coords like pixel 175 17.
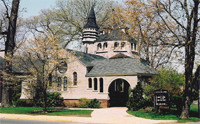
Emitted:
pixel 91 19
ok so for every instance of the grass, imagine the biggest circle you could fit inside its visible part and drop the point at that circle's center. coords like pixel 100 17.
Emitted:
pixel 168 116
pixel 52 112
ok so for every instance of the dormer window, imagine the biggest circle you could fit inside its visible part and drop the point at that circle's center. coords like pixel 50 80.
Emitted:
pixel 99 46
pixel 105 45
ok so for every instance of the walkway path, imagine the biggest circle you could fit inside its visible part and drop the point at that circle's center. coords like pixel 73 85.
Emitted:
pixel 105 115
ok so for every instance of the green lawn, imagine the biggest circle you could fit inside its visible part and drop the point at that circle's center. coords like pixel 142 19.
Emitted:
pixel 157 116
pixel 53 112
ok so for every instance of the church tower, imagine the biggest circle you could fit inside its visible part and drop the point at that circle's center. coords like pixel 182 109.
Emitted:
pixel 90 32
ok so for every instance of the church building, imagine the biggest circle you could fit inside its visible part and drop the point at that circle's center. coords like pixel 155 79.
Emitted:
pixel 108 66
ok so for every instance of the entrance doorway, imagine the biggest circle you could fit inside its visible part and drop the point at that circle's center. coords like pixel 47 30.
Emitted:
pixel 118 93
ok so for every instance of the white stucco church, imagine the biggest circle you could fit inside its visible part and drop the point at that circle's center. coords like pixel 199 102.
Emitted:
pixel 108 66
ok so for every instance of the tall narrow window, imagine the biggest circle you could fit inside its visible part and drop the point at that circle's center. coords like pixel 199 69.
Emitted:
pixel 75 78
pixel 95 83
pixel 65 82
pixel 89 83
pixel 101 85
pixel 59 82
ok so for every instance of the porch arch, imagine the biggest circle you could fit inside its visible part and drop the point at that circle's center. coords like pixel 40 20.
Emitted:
pixel 118 92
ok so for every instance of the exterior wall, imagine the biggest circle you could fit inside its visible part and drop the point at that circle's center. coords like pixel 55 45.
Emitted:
pixel 82 90
pixel 110 51
pixel 72 92
pixel 2 54
pixel 26 92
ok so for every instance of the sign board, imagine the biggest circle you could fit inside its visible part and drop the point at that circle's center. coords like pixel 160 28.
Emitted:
pixel 161 97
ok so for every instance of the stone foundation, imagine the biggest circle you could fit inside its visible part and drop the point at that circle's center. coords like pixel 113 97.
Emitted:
pixel 75 103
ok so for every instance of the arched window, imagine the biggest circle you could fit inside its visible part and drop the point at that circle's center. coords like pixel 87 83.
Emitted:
pixel 122 44
pixel 131 46
pixel 105 45
pixel 65 82
pixel 95 83
pixel 89 83
pixel 75 78
pixel 59 81
pixel 116 45
pixel 135 46
pixel 101 84
pixel 99 46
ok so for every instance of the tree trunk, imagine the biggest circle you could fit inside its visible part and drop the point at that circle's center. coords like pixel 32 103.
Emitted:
pixel 190 57
pixel 9 48
pixel 44 101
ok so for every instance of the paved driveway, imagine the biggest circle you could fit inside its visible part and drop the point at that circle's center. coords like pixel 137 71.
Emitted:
pixel 118 115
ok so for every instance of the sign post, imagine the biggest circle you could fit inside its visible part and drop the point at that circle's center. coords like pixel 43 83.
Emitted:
pixel 161 98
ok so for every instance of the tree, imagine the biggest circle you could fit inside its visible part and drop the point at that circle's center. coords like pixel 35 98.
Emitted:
pixel 68 18
pixel 184 15
pixel 40 58
pixel 167 79
pixel 178 23
pixel 149 30
pixel 136 100
pixel 9 50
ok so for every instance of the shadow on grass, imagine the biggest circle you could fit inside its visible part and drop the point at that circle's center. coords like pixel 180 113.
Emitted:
pixel 35 112
pixel 165 114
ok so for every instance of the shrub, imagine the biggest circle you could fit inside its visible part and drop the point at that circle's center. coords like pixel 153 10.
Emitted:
pixel 84 102
pixel 15 97
pixel 24 103
pixel 54 99
pixel 94 103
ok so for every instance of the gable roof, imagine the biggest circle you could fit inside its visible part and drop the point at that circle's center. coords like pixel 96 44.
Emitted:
pixel 121 66
pixel 86 58
pixel 14 68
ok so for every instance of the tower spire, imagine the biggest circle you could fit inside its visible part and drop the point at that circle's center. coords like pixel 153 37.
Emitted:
pixel 90 32
pixel 91 19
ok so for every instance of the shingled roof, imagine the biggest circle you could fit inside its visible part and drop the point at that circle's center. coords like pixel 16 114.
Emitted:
pixel 14 69
pixel 114 35
pixel 121 66
pixel 86 58
pixel 91 20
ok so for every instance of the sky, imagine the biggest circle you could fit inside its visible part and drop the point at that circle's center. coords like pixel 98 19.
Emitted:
pixel 33 7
